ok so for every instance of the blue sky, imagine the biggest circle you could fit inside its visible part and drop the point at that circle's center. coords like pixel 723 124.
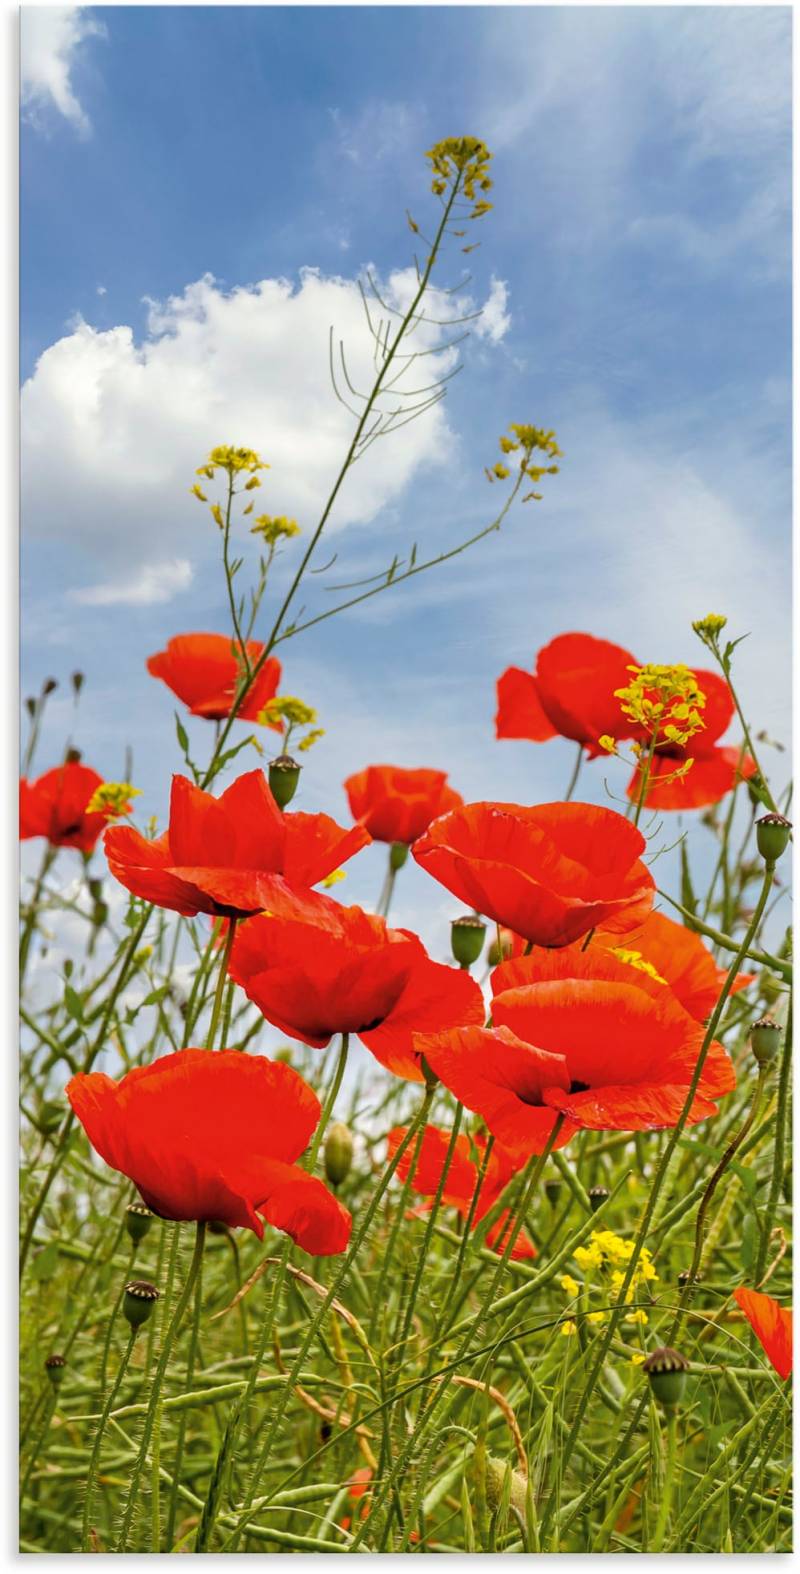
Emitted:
pixel 183 168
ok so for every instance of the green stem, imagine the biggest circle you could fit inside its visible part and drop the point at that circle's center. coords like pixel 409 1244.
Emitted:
pixel 88 1502
pixel 330 1101
pixel 645 772
pixel 781 1128
pixel 33 909
pixel 573 781
pixel 229 579
pixel 155 1392
pixel 182 1424
pixel 221 981
pixel 778 964
pixel 668 1485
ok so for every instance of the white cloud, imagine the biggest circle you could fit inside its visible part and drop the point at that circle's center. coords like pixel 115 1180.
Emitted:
pixel 495 321
pixel 380 130
pixel 154 582
pixel 113 430
pixel 50 37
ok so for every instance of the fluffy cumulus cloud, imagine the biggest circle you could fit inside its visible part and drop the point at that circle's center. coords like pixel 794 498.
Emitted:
pixel 154 582
pixel 112 429
pixel 50 40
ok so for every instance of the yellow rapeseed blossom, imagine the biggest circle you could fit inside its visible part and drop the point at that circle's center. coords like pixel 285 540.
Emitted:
pixel 637 1358
pixel 597 1317
pixel 568 1329
pixel 710 626
pixel 665 700
pixel 639 1316
pixel 216 513
pixel 273 528
pixel 608 743
pixel 635 959
pixel 333 878
pixel 286 707
pixel 234 460
pixel 570 1285
pixel 501 471
pixel 508 445
pixel 112 799
pixel 310 739
pixel 463 160
pixel 199 494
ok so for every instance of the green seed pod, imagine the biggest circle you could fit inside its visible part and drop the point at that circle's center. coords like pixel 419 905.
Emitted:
pixel 398 853
pixel 552 1190
pixel 772 836
pixel 338 1152
pixel 138 1220
pixel 138 1301
pixel 684 1276
pixel 467 935
pixel 765 1037
pixel 597 1197
pixel 284 777
pixel 496 1472
pixel 55 1367
pixel 667 1370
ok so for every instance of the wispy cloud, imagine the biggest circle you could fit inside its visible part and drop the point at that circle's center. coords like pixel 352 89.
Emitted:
pixel 50 41
pixel 153 583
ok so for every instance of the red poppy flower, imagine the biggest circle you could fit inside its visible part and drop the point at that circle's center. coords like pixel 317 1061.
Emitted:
pixel 397 805
pixel 570 694
pixel 345 971
pixel 215 1137
pixel 462 1179
pixel 772 1326
pixel 680 957
pixel 222 855
pixel 592 1038
pixel 204 670
pixel 55 806
pixel 550 873
pixel 715 770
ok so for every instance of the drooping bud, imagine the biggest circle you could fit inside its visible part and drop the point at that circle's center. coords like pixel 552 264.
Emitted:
pixel 467 935
pixel 73 757
pixel 30 706
pixel 284 776
pixel 552 1190
pixel 667 1371
pixel 597 1196
pixel 77 682
pixel 138 1301
pixel 338 1152
pixel 49 685
pixel 496 1472
pixel 55 1367
pixel 765 1036
pixel 772 836
pixel 138 1220
pixel 398 853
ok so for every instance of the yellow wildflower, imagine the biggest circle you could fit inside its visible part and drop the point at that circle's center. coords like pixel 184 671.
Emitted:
pixel 200 494
pixel 112 799
pixel 597 1317
pixel 665 700
pixel 286 707
pixel 333 878
pixel 570 1285
pixel 216 513
pixel 568 1329
pixel 501 471
pixel 639 1316
pixel 310 739
pixel 273 528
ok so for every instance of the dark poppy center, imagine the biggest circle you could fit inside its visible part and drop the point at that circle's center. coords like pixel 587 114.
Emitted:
pixel 579 1087
pixel 369 1027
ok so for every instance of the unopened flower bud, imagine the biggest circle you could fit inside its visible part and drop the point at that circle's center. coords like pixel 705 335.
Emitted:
pixel 284 776
pixel 765 1036
pixel 138 1301
pixel 467 935
pixel 496 1472
pixel 77 682
pixel 500 953
pixel 597 1196
pixel 684 1276
pixel 772 836
pixel 552 1189
pixel 30 706
pixel 338 1152
pixel 667 1371
pixel 138 1220
pixel 73 757
pixel 398 853
pixel 49 685
pixel 55 1367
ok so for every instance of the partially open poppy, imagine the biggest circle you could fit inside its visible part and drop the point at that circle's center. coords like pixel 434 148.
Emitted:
pixel 55 806
pixel 550 873
pixel 215 1137
pixel 604 1050
pixel 569 695
pixel 204 671
pixel 224 855
pixel 397 805
pixel 714 771
pixel 660 956
pixel 462 1181
pixel 772 1326
pixel 342 970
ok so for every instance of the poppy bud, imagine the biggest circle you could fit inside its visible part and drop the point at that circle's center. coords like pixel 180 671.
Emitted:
pixel 597 1197
pixel 684 1276
pixel 49 685
pixel 765 1036
pixel 138 1220
pixel 284 776
pixel 73 757
pixel 496 1472
pixel 467 935
pixel 55 1366
pixel 500 953
pixel 552 1189
pixel 138 1301
pixel 30 706
pixel 772 836
pixel 666 1370
pixel 51 1115
pixel 398 853
pixel 77 682
pixel 338 1152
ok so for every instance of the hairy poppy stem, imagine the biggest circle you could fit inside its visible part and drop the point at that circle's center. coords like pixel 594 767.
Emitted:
pixel 88 1502
pixel 782 1126
pixel 33 910
pixel 573 781
pixel 222 977
pixel 330 1101
pixel 668 1484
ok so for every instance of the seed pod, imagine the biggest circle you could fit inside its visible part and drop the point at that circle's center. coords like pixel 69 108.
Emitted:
pixel 138 1220
pixel 666 1370
pixel 552 1190
pixel 138 1301
pixel 284 777
pixel 398 853
pixel 765 1037
pixel 684 1276
pixel 467 935
pixel 597 1196
pixel 338 1152
pixel 55 1367
pixel 500 953
pixel 772 836
pixel 496 1472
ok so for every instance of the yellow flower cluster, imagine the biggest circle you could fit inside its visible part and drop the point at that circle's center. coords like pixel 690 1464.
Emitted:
pixel 112 799
pixel 607 1250
pixel 273 528
pixel 234 460
pixel 635 959
pixel 710 626
pixel 309 740
pixel 465 160
pixel 665 700
pixel 285 707
pixel 526 439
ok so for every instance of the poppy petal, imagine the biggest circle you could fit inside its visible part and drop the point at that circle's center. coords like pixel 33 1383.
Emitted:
pixel 772 1326
pixel 520 713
